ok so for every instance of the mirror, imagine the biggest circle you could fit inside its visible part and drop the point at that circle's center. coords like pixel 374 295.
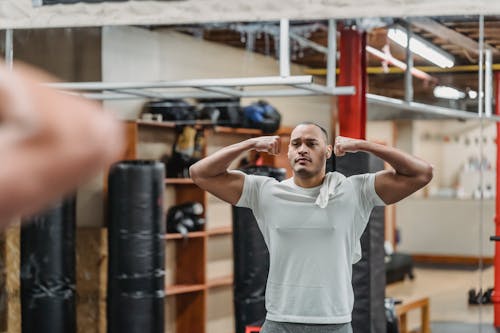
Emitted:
pixel 437 241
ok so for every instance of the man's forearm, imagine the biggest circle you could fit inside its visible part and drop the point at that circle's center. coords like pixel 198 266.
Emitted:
pixel 218 163
pixel 403 163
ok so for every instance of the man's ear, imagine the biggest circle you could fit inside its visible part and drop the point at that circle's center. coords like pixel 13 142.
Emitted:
pixel 329 149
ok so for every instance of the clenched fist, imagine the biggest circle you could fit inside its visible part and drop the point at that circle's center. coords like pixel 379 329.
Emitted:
pixel 267 144
pixel 345 145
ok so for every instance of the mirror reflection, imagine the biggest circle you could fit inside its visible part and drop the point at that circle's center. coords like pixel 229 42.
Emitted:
pixel 420 85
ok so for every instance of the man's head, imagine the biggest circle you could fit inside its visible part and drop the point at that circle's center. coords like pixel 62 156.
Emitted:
pixel 308 150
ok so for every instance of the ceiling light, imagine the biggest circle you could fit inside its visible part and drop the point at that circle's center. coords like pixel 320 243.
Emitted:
pixel 472 94
pixel 422 47
pixel 448 93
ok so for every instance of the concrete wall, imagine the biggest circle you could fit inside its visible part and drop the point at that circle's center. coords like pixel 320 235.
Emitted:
pixel 445 227
pixel 429 222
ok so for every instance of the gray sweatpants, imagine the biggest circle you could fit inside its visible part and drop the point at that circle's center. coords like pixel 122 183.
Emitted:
pixel 278 327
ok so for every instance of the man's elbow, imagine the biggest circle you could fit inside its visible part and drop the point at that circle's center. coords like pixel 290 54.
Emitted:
pixel 193 173
pixel 427 175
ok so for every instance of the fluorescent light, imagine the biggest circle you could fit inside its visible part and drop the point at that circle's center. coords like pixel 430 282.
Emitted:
pixel 422 48
pixel 472 94
pixel 448 93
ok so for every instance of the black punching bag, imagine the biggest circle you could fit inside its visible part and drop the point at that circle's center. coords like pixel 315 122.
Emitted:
pixel 368 277
pixel 48 271
pixel 136 248
pixel 251 260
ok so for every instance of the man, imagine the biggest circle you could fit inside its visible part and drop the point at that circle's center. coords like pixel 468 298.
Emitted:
pixel 312 222
pixel 50 142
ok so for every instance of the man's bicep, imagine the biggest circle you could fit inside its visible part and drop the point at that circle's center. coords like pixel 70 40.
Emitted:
pixel 227 187
pixel 392 187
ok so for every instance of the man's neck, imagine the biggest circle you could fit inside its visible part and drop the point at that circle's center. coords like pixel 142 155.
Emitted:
pixel 310 181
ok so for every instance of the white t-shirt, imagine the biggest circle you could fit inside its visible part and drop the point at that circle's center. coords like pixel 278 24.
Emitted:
pixel 311 249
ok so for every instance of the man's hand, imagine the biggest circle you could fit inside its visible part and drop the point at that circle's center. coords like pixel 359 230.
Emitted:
pixel 267 144
pixel 345 145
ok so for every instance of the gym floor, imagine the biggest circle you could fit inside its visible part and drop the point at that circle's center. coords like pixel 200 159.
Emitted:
pixel 447 290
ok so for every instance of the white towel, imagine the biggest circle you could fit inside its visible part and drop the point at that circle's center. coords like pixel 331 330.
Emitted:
pixel 327 189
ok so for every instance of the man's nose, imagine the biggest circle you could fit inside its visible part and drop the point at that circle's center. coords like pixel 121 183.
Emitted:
pixel 302 149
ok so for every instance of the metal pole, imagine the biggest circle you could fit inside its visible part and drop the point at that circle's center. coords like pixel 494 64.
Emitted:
pixel 481 46
pixel 481 176
pixel 488 83
pixel 426 108
pixel 409 66
pixel 284 48
pixel 9 48
pixel 331 66
pixel 197 83
pixel 495 298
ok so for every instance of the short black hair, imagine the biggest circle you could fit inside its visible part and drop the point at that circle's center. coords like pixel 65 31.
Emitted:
pixel 317 125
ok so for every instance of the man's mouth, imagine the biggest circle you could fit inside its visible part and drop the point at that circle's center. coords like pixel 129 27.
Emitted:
pixel 302 160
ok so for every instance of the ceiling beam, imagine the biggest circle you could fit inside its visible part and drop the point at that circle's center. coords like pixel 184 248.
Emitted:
pixel 448 34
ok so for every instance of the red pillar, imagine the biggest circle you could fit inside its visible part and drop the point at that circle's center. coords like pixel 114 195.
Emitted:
pixel 496 294
pixel 352 109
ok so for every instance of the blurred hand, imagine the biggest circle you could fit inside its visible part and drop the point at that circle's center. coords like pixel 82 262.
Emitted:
pixel 345 145
pixel 267 144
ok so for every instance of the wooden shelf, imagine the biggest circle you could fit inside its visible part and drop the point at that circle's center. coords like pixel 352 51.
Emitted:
pixel 234 130
pixel 174 124
pixel 195 234
pixel 220 231
pixel 183 289
pixel 221 282
pixel 167 124
pixel 178 181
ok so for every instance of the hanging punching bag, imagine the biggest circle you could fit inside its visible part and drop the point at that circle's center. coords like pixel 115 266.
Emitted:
pixel 136 248
pixel 368 276
pixel 251 260
pixel 48 271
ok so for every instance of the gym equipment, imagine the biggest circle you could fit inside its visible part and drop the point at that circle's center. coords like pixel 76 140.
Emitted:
pixel 480 297
pixel 368 277
pixel 185 218
pixel 398 266
pixel 136 248
pixel 48 270
pixel 186 151
pixel 263 116
pixel 209 113
pixel 390 315
pixel 171 109
pixel 229 111
pixel 251 260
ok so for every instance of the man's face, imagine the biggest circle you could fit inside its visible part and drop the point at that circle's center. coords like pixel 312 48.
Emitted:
pixel 308 151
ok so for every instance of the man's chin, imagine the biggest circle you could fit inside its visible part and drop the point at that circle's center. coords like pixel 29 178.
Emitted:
pixel 302 172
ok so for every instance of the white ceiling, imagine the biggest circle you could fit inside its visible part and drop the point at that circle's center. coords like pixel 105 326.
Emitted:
pixel 20 13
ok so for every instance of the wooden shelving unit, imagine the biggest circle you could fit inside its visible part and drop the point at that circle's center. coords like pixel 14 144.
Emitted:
pixel 190 286
pixel 221 282
pixel 196 234
pixel 220 231
pixel 178 181
pixel 183 289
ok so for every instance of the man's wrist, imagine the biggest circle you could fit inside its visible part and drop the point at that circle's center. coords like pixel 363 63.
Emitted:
pixel 362 145
pixel 250 144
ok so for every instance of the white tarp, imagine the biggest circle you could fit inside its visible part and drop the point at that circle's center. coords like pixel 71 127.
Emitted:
pixel 21 13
